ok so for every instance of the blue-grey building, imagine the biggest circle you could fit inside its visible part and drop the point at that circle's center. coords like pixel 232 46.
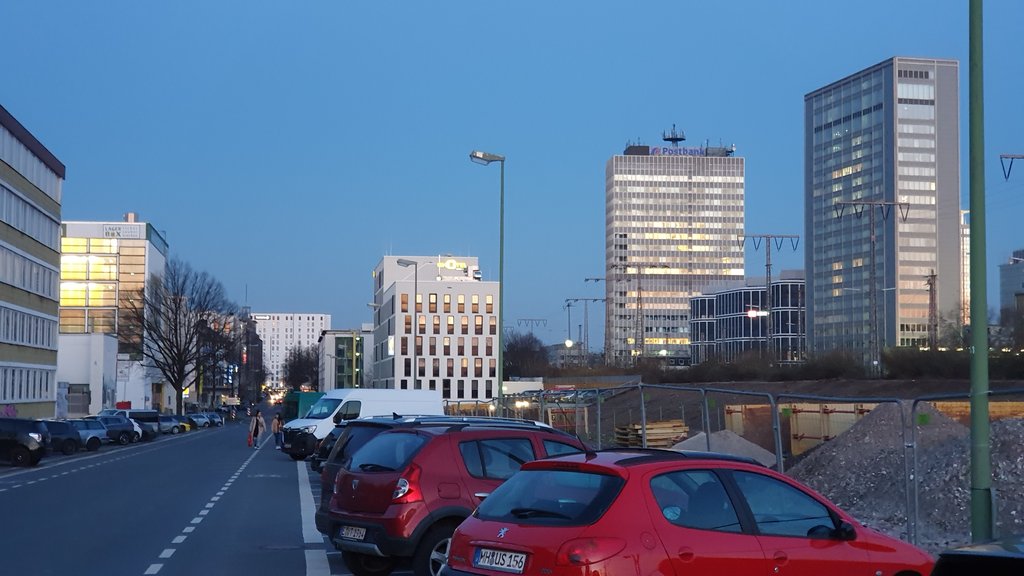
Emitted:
pixel 882 147
pixel 1011 284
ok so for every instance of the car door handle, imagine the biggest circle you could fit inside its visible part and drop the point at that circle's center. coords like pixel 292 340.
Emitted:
pixel 781 557
pixel 686 554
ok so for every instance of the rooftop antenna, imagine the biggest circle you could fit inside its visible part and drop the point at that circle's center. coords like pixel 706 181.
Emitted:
pixel 675 137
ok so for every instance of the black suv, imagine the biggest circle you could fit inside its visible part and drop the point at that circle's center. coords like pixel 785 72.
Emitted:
pixel 63 437
pixel 23 442
pixel 402 493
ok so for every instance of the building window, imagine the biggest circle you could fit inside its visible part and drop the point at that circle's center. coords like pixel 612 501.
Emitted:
pixel 451 325
pixel 407 369
pixel 423 325
pixel 489 346
pixel 492 369
pixel 419 345
pixel 489 302
pixel 451 367
pixel 476 303
pixel 474 389
pixel 433 384
pixel 478 325
pixel 405 384
pixel 408 324
pixel 487 390
pixel 405 303
pixel 465 324
pixel 446 389
pixel 462 346
pixel 474 347
pixel 437 324
pixel 462 389
pixel 433 346
pixel 462 304
pixel 447 346
pixel 447 303
pixel 421 367
pixel 419 303
pixel 494 325
pixel 437 366
pixel 465 367
pixel 478 367
pixel 432 303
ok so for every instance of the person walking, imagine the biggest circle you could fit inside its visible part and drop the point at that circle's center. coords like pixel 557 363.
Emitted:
pixel 277 427
pixel 256 427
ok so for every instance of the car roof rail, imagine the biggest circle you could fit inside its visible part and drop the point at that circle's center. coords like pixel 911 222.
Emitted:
pixel 644 455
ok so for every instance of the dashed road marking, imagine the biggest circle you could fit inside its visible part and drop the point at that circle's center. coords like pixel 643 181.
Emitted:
pixel 197 519
pixel 167 553
pixel 178 539
pixel 153 569
pixel 189 529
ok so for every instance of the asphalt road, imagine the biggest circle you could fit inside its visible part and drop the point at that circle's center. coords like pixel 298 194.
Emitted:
pixel 196 503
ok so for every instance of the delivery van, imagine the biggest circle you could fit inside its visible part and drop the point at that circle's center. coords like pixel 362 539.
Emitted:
pixel 337 406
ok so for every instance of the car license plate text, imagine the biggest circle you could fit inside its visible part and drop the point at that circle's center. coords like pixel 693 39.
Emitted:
pixel 499 560
pixel 353 532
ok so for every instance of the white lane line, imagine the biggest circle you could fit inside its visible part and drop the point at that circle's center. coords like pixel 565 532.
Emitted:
pixel 220 493
pixel 310 535
pixel 3 489
pixel 317 564
pixel 178 539
pixel 16 486
pixel 210 505
pixel 197 520
pixel 189 529
pixel 153 568
pixel 215 498
pixel 167 553
pixel 204 512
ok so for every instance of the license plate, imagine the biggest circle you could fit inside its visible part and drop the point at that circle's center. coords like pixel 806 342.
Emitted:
pixel 287 445
pixel 353 532
pixel 499 560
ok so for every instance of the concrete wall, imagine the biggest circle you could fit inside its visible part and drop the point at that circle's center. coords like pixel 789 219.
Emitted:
pixel 89 359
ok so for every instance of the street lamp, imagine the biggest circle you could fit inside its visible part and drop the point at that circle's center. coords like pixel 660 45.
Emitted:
pixel 415 313
pixel 486 158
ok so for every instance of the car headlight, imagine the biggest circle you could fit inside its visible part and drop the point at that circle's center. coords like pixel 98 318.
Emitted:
pixel 36 436
pixel 309 429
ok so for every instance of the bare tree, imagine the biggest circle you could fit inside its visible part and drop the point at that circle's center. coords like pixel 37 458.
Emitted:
pixel 182 321
pixel 524 355
pixel 302 366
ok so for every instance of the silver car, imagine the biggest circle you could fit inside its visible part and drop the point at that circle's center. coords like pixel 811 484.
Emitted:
pixel 200 420
pixel 92 432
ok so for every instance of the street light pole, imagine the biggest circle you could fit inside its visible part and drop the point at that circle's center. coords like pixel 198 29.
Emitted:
pixel 486 158
pixel 415 314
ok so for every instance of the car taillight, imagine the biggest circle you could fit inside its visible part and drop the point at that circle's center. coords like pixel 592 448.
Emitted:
pixel 407 489
pixel 583 551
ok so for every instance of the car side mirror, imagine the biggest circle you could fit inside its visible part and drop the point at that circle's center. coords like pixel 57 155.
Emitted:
pixel 845 532
pixel 337 418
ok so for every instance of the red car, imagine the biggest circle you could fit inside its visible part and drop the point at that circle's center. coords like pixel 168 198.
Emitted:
pixel 644 512
pixel 405 490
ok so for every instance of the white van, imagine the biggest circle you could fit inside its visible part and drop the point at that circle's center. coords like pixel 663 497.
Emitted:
pixel 302 434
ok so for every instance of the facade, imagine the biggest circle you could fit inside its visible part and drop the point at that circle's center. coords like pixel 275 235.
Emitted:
pixel 884 141
pixel 455 314
pixel 965 267
pixel 31 178
pixel 100 262
pixel 1011 284
pixel 280 332
pixel 732 322
pixel 674 225
pixel 87 363
pixel 341 358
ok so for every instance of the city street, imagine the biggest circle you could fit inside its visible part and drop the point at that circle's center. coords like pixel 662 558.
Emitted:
pixel 194 503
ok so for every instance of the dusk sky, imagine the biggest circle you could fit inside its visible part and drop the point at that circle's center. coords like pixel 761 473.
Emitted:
pixel 285 147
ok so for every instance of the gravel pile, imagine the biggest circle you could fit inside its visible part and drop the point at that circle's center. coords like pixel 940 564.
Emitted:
pixel 727 442
pixel 862 471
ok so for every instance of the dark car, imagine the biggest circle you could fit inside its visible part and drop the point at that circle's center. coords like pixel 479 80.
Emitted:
pixel 323 450
pixel 91 432
pixel 119 428
pixel 23 442
pixel 63 437
pixel 404 492
pixel 1003 557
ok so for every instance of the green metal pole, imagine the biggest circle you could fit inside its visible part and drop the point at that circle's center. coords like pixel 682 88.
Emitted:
pixel 981 473
pixel 501 293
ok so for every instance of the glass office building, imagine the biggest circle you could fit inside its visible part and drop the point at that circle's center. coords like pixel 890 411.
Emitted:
pixel 882 147
pixel 674 226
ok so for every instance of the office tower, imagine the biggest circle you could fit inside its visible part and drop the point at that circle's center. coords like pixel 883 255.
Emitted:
pixel 280 332
pixel 1011 286
pixel 881 149
pixel 673 228
pixel 30 198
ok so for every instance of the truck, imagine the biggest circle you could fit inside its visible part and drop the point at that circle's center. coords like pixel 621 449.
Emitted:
pixel 297 404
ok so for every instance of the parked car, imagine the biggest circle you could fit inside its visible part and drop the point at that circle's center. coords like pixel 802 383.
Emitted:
pixel 1003 557
pixel 92 433
pixel 198 420
pixel 23 442
pixel 214 418
pixel 323 449
pixel 184 423
pixel 645 511
pixel 149 430
pixel 169 425
pixel 63 437
pixel 119 428
pixel 406 489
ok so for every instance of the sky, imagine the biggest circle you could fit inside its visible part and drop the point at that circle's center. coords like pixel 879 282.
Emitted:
pixel 286 147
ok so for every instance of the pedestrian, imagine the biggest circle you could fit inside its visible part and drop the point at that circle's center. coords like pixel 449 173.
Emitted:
pixel 277 427
pixel 256 427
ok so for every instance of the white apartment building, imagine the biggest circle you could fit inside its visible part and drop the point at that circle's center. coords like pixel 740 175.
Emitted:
pixel 455 315
pixel 30 202
pixel 281 332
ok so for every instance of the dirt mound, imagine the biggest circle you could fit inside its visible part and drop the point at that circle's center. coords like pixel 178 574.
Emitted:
pixel 727 442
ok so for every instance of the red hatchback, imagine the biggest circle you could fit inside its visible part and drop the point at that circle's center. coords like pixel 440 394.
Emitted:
pixel 644 512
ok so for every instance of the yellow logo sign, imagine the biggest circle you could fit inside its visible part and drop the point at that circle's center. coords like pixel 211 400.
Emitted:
pixel 452 264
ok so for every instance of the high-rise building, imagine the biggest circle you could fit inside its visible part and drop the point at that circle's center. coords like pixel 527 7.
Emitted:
pixel 882 148
pixel 281 332
pixel 965 268
pixel 30 197
pixel 100 262
pixel 1011 285
pixel 674 226
pixel 454 347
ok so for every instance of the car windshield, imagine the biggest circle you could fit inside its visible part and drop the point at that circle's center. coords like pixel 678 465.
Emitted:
pixel 323 408
pixel 551 497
